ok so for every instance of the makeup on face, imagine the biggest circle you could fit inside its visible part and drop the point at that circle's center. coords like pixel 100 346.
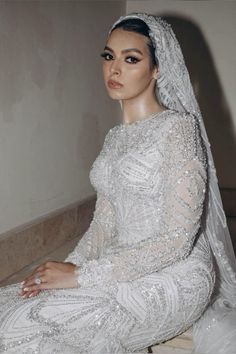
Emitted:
pixel 134 59
pixel 114 84
pixel 126 65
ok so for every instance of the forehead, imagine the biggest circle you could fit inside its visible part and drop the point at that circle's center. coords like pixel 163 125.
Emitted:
pixel 120 39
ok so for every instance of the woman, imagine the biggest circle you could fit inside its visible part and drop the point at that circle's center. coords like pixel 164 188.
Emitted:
pixel 153 261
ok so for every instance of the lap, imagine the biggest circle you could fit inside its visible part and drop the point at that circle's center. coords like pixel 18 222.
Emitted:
pixel 171 301
pixel 129 315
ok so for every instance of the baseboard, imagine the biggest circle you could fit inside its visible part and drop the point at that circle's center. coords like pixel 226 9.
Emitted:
pixel 27 243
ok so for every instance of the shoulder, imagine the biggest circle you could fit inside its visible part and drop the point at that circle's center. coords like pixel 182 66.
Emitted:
pixel 173 125
pixel 112 133
pixel 188 133
pixel 183 136
pixel 110 138
pixel 171 119
pixel 182 125
pixel 184 121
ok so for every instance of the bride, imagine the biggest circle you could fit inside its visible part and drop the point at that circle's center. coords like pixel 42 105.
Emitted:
pixel 157 257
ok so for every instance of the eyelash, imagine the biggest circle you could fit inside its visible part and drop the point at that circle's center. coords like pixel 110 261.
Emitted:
pixel 104 55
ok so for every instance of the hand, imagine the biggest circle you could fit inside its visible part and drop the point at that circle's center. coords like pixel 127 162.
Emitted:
pixel 53 275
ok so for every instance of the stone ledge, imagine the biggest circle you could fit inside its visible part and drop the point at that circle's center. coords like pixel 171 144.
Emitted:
pixel 29 242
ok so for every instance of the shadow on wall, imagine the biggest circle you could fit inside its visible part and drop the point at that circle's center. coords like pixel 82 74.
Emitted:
pixel 210 96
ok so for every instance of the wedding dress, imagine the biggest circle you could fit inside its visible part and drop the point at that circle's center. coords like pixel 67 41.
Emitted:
pixel 152 262
pixel 146 267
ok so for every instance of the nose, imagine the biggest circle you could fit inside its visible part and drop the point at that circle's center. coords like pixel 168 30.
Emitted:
pixel 115 68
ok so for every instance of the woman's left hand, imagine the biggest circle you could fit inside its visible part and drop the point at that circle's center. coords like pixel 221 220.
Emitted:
pixel 53 275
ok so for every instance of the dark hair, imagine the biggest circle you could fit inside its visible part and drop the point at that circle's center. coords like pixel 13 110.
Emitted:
pixel 139 26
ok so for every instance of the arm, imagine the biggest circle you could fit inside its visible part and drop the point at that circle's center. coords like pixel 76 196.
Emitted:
pixel 99 232
pixel 101 228
pixel 182 193
pixel 57 275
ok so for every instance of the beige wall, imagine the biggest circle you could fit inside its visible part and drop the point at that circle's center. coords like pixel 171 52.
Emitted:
pixel 206 30
pixel 54 110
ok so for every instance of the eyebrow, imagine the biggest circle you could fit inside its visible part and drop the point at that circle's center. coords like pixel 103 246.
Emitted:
pixel 124 50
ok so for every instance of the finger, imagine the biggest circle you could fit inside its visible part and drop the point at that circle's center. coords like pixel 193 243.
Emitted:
pixel 30 294
pixel 42 286
pixel 37 270
pixel 25 294
pixel 34 293
pixel 32 286
pixel 31 280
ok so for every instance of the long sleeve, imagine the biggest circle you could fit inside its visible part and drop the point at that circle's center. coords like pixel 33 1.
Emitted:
pixel 98 235
pixel 180 191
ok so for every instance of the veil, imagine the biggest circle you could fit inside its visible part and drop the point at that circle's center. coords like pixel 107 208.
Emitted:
pixel 215 331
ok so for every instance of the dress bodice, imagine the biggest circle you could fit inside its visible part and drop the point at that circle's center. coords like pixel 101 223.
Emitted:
pixel 151 180
pixel 133 168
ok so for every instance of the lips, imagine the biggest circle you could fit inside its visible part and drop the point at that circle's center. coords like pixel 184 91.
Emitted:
pixel 114 84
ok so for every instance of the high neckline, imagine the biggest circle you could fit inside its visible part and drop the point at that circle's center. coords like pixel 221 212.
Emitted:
pixel 145 119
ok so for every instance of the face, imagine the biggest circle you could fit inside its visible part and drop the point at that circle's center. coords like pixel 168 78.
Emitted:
pixel 127 61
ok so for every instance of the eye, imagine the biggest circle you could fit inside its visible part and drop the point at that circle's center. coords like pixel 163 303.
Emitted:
pixel 133 60
pixel 106 56
pixel 130 59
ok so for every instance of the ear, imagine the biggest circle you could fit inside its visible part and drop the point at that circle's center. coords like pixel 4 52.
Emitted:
pixel 156 73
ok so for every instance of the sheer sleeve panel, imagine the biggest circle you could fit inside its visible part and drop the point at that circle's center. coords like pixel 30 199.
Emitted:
pixel 99 233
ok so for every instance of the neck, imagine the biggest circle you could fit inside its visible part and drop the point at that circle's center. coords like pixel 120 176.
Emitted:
pixel 139 107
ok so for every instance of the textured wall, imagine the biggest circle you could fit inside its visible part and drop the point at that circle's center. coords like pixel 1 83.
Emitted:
pixel 206 31
pixel 54 110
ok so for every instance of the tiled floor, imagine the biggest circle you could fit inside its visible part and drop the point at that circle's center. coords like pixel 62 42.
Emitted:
pixel 179 345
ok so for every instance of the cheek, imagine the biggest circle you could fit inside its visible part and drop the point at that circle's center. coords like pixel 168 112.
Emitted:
pixel 137 76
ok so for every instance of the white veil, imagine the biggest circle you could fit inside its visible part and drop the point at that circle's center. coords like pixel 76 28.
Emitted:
pixel 215 331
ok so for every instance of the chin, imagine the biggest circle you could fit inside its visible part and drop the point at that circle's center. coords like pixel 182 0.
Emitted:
pixel 115 96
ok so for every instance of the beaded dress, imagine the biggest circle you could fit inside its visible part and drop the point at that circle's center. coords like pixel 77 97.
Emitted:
pixel 146 271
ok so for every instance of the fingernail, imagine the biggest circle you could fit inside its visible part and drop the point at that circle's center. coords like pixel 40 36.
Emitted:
pixel 26 289
pixel 24 296
pixel 31 295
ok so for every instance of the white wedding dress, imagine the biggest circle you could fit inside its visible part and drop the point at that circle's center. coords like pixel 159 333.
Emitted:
pixel 147 271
